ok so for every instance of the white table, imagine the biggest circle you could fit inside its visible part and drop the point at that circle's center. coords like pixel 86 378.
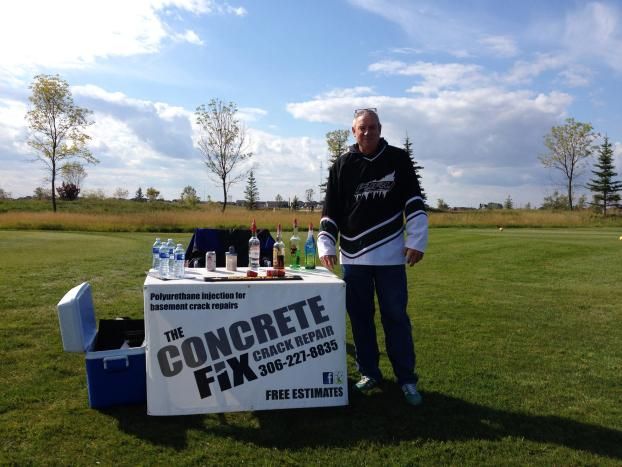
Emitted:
pixel 244 345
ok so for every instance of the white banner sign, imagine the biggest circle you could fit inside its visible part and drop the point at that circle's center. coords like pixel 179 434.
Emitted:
pixel 230 346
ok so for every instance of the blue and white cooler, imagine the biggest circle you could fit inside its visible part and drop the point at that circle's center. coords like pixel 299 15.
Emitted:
pixel 115 356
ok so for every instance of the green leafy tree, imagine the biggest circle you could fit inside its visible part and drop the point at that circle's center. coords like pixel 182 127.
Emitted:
pixel 42 193
pixel 152 193
pixel 441 204
pixel 408 148
pixel 139 196
pixel 222 143
pixel 603 185
pixel 295 204
pixel 57 126
pixel 508 203
pixel 73 173
pixel 556 201
pixel 189 196
pixel 251 192
pixel 569 146
pixel 337 143
pixel 4 194
pixel 121 193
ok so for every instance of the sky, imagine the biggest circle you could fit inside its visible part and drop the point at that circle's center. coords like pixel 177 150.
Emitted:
pixel 474 84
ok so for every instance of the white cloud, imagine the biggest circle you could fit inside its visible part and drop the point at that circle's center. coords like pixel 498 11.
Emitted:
pixel 346 92
pixel 500 46
pixel 250 114
pixel 463 138
pixel 75 33
pixel 434 76
pixel 13 124
pixel 524 71
pixel 189 36
pixel 595 31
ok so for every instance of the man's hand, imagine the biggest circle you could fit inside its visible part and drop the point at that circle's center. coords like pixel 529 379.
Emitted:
pixel 329 261
pixel 412 256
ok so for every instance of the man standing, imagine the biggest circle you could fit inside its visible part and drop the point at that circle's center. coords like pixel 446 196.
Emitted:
pixel 370 190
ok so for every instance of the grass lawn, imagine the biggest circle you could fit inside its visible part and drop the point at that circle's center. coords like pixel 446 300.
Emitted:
pixel 518 338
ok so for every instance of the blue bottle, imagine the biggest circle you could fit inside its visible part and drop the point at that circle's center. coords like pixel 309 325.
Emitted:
pixel 310 249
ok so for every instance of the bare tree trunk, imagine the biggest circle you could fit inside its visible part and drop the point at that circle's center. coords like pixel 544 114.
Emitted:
pixel 53 183
pixel 224 192
pixel 570 193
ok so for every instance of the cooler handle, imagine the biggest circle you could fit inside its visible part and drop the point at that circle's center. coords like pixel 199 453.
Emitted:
pixel 116 363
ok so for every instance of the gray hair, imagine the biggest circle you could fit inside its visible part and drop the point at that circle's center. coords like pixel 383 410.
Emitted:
pixel 360 112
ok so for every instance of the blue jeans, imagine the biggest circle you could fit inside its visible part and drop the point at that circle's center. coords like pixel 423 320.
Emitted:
pixel 390 285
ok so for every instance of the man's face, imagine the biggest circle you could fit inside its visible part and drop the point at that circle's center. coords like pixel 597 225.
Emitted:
pixel 366 130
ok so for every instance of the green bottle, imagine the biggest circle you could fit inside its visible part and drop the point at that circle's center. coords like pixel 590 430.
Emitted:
pixel 294 248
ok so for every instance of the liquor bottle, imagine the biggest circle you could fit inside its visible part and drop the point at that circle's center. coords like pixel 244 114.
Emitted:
pixel 253 249
pixel 294 248
pixel 278 251
pixel 310 249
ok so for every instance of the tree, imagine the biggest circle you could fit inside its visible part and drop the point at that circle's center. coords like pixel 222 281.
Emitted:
pixel 189 196
pixel 57 126
pixel 121 193
pixel 222 143
pixel 68 191
pixel 73 173
pixel 251 193
pixel 441 204
pixel 603 186
pixel 508 203
pixel 309 197
pixel 569 146
pixel 139 195
pixel 337 142
pixel 556 201
pixel 42 193
pixel 4 194
pixel 408 148
pixel 295 204
pixel 279 199
pixel 152 193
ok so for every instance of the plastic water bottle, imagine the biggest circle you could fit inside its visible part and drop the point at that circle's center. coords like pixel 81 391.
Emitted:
pixel 180 256
pixel 163 266
pixel 155 252
pixel 171 258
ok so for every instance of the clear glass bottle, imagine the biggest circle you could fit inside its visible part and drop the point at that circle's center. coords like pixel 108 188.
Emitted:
pixel 253 249
pixel 294 248
pixel 310 249
pixel 278 250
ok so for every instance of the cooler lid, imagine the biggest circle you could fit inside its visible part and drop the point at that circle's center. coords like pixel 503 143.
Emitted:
pixel 76 317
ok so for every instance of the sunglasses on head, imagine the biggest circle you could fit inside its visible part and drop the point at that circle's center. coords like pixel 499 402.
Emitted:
pixel 357 112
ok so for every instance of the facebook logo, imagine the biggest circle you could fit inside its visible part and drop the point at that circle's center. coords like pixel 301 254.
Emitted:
pixel 327 377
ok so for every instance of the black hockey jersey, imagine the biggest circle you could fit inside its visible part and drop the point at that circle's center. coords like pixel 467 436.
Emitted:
pixel 367 200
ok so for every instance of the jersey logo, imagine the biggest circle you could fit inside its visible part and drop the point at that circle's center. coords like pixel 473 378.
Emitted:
pixel 375 188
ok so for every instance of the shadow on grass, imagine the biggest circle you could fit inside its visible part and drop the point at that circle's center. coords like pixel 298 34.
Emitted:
pixel 382 417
